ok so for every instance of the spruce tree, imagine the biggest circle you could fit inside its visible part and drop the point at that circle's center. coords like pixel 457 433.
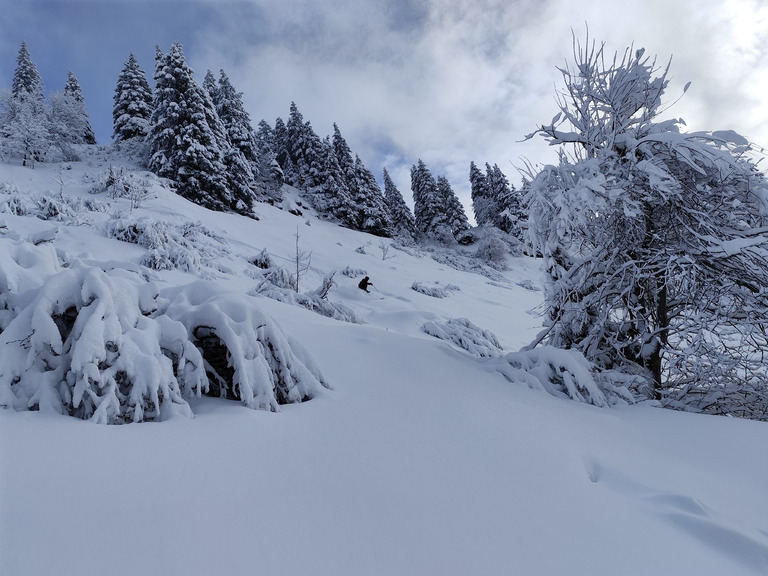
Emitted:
pixel 231 110
pixel 270 173
pixel 69 117
pixel 368 202
pixel 325 182
pixel 508 213
pixel 403 224
pixel 365 193
pixel 482 200
pixel 453 215
pixel 25 128
pixel 426 202
pixel 26 79
pixel 132 108
pixel 188 142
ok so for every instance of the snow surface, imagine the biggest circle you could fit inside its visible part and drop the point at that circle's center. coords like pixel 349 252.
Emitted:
pixel 422 458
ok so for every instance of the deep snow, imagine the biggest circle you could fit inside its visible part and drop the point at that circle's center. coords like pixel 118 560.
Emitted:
pixel 421 459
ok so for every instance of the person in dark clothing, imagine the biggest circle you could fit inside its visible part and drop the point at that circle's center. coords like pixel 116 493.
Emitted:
pixel 364 283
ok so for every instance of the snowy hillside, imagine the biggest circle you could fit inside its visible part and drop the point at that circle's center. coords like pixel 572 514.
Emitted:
pixel 423 446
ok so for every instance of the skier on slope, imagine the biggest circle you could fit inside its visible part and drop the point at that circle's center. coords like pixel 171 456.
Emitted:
pixel 364 283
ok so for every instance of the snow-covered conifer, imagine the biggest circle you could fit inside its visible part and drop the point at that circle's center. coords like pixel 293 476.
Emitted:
pixel 25 128
pixel 26 79
pixel 368 202
pixel 365 193
pixel 426 202
pixel 132 108
pixel 509 214
pixel 482 201
pixel 189 143
pixel 403 224
pixel 453 214
pixel 231 110
pixel 69 117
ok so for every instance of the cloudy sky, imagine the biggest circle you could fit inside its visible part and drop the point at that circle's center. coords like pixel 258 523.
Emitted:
pixel 447 81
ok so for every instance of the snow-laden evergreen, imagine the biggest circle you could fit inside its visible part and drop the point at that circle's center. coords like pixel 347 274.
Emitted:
pixel 70 112
pixel 189 143
pixel 482 201
pixel 26 79
pixel 132 107
pixel 403 223
pixel 26 130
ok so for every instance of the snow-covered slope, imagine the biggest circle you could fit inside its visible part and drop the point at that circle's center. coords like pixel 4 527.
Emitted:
pixel 422 458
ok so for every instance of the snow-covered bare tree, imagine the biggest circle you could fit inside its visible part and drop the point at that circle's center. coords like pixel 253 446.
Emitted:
pixel 403 224
pixel 132 108
pixel 655 241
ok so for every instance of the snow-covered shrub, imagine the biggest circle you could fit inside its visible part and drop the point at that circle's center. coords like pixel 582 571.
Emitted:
pixel 277 286
pixel 82 345
pixel 566 373
pixel 436 291
pixel 117 184
pixel 354 272
pixel 15 205
pixel 263 260
pixel 187 247
pixel 460 331
pixel 493 248
pixel 49 208
pixel 247 356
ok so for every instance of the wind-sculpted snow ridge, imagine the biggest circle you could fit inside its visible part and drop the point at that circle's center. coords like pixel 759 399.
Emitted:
pixel 478 342
pixel 93 343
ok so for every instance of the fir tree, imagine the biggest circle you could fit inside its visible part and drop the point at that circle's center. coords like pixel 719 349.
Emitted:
pixel 403 224
pixel 508 213
pixel 132 108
